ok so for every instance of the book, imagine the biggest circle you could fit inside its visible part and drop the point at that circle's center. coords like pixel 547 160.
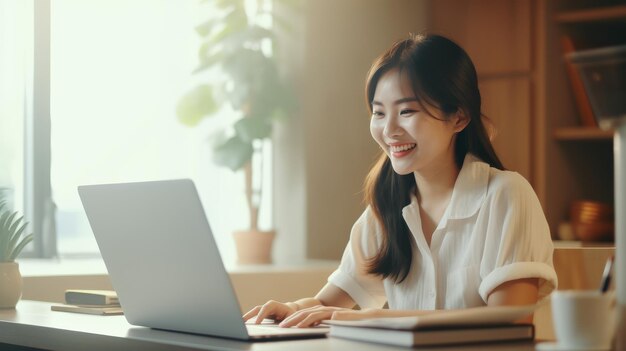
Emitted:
pixel 587 117
pixel 471 325
pixel 95 310
pixel 436 336
pixel 91 297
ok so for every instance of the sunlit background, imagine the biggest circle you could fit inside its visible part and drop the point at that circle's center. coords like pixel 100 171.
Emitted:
pixel 115 83
pixel 16 52
pixel 118 69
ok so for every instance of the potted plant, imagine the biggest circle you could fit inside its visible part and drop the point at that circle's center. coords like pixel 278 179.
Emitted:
pixel 11 244
pixel 238 52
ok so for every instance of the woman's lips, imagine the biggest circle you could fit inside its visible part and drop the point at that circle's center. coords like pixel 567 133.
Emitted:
pixel 401 150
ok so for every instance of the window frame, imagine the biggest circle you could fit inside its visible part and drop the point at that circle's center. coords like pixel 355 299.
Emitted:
pixel 38 205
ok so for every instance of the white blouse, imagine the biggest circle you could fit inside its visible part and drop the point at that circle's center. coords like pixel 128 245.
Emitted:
pixel 492 231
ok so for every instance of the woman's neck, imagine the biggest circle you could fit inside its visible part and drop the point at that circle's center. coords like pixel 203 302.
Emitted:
pixel 436 183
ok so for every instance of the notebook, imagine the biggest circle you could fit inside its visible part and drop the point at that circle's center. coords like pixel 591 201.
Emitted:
pixel 164 263
pixel 437 336
pixel 95 310
pixel 91 297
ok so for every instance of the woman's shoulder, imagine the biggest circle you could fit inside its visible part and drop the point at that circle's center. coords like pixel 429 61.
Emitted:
pixel 367 226
pixel 508 184
pixel 492 180
pixel 505 179
pixel 367 220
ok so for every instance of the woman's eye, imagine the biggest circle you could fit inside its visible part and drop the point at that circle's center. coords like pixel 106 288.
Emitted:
pixel 377 114
pixel 407 112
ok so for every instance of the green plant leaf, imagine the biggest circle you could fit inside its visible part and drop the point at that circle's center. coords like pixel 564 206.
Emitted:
pixel 14 236
pixel 295 5
pixel 196 105
pixel 206 27
pixel 4 235
pixel 248 70
pixel 234 153
pixel 246 37
pixel 252 81
pixel 234 22
pixel 8 224
pixel 249 34
pixel 282 23
pixel 240 95
pixel 18 249
pixel 17 235
pixel 208 59
pixel 250 128
pixel 15 224
pixel 226 4
pixel 3 218
pixel 10 232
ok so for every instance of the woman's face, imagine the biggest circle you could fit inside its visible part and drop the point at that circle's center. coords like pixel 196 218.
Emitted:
pixel 412 139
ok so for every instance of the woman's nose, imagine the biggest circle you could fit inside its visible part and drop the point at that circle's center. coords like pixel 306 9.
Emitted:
pixel 392 128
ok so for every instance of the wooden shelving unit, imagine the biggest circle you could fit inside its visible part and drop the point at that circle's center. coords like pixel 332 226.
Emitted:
pixel 574 161
pixel 592 15
pixel 518 50
pixel 582 133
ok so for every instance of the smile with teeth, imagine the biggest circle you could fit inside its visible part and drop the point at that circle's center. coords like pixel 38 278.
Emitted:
pixel 401 148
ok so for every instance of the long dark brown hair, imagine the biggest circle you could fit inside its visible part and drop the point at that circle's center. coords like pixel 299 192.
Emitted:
pixel 442 75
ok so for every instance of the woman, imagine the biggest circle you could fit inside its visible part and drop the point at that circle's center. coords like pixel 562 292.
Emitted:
pixel 446 226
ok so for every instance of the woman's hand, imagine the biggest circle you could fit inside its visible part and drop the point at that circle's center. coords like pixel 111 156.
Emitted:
pixel 330 295
pixel 275 310
pixel 312 316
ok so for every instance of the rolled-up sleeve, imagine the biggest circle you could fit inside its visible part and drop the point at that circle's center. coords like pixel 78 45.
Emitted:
pixel 351 276
pixel 518 244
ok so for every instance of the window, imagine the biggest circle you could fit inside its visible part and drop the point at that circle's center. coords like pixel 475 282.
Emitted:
pixel 15 45
pixel 117 71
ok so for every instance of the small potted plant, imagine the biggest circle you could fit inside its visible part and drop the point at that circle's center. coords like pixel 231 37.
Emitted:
pixel 11 244
pixel 238 51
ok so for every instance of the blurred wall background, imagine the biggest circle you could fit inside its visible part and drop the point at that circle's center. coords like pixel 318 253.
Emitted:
pixel 324 153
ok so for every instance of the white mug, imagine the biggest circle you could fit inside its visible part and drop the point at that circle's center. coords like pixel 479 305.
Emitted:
pixel 583 319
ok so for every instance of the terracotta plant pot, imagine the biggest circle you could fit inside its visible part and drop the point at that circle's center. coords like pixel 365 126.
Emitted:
pixel 10 284
pixel 254 247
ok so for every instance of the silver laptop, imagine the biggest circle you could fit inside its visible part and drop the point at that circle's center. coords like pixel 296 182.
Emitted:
pixel 164 264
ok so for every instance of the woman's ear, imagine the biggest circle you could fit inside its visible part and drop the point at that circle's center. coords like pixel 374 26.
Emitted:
pixel 460 120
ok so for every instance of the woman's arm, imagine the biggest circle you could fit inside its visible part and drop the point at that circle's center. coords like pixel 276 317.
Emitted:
pixel 513 293
pixel 516 292
pixel 331 295
pixel 334 303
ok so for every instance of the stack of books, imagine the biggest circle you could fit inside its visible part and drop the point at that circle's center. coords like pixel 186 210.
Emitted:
pixel 98 302
pixel 453 327
pixel 587 116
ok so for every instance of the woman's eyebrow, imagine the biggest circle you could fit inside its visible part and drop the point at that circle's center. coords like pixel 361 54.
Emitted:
pixel 397 102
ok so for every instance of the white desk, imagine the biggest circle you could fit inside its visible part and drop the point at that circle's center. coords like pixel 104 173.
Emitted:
pixel 33 325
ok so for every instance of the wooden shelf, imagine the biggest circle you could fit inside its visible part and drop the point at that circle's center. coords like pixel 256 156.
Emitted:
pixel 592 15
pixel 582 133
pixel 567 244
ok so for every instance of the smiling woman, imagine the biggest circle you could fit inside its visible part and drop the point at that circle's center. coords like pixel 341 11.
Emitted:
pixel 446 226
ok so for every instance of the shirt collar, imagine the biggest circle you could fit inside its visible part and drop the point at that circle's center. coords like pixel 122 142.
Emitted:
pixel 469 190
